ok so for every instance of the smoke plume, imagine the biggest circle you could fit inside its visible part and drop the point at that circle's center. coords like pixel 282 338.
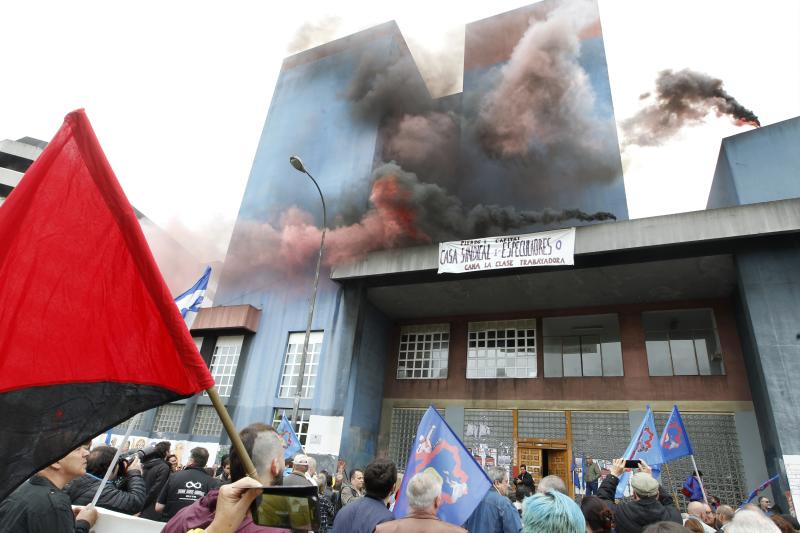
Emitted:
pixel 682 98
pixel 425 144
pixel 314 33
pixel 404 211
pixel 544 102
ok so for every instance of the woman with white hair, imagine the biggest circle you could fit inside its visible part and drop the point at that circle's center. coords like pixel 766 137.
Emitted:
pixel 424 495
pixel 750 521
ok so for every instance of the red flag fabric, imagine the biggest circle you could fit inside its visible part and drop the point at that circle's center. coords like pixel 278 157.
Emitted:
pixel 89 333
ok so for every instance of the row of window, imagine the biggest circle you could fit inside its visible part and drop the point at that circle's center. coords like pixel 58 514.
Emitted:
pixel 679 343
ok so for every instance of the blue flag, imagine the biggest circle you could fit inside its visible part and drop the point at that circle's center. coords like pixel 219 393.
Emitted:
pixel 674 440
pixel 438 450
pixel 291 444
pixel 643 445
pixel 193 297
pixel 692 490
pixel 758 489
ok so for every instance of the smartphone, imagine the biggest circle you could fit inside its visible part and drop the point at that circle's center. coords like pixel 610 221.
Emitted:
pixel 289 508
pixel 632 463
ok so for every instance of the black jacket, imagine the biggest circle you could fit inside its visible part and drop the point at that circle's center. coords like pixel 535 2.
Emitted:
pixel 156 472
pixel 125 497
pixel 635 515
pixel 184 488
pixel 38 506
pixel 526 479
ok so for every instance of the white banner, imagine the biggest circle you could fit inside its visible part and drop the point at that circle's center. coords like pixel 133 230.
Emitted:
pixel 324 434
pixel 548 248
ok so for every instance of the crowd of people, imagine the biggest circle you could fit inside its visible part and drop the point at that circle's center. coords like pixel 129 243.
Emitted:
pixel 194 499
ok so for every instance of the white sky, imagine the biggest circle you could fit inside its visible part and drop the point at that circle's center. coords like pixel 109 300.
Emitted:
pixel 178 91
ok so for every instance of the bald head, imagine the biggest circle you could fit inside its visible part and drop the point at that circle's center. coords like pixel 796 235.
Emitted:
pixel 549 483
pixel 696 508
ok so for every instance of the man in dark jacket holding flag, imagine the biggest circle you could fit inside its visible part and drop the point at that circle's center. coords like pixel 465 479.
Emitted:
pixel 125 491
pixel 40 505
pixel 650 504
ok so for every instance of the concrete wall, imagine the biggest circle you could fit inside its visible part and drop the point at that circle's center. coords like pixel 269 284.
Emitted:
pixel 758 166
pixel 769 286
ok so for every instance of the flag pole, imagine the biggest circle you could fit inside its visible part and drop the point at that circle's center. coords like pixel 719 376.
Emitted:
pixel 110 469
pixel 674 492
pixel 697 472
pixel 230 429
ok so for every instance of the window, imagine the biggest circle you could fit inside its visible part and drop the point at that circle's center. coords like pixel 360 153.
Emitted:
pixel 582 346
pixel 682 343
pixel 502 349
pixel 207 422
pixel 224 362
pixel 168 418
pixel 302 414
pixel 423 352
pixel 291 365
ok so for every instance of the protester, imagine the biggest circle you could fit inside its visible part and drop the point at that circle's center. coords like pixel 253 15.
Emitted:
pixel 364 514
pixel 552 512
pixel 692 488
pixel 40 505
pixel 694 526
pixel 650 504
pixel 297 477
pixel 665 527
pixel 326 508
pixel 311 473
pixel 224 475
pixel 355 489
pixel 724 516
pixel 522 492
pixel 524 478
pixel 155 471
pixel 591 475
pixel 599 517
pixel 125 490
pixel 424 496
pixel 782 524
pixel 766 506
pixel 265 448
pixel 751 521
pixel 549 483
pixel 172 460
pixel 187 486
pixel 495 513
pixel 701 513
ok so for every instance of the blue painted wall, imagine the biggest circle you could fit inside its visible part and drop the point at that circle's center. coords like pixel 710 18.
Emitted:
pixel 760 165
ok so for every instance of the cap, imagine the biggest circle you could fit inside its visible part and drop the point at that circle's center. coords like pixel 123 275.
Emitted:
pixel 301 459
pixel 644 484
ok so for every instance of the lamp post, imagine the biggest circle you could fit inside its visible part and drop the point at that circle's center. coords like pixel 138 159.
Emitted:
pixel 298 165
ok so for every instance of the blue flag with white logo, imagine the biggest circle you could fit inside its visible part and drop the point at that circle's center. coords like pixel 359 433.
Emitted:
pixel 193 297
pixel 291 444
pixel 758 489
pixel 643 445
pixel 437 450
pixel 674 440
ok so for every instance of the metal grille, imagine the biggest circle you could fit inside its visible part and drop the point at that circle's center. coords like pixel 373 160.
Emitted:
pixel 604 436
pixel 224 363
pixel 168 418
pixel 206 422
pixel 542 425
pixel 291 365
pixel 138 425
pixel 490 434
pixel 302 414
pixel 718 456
pixel 405 421
pixel 423 352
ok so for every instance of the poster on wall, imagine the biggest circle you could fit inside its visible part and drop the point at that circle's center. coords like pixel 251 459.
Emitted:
pixel 548 248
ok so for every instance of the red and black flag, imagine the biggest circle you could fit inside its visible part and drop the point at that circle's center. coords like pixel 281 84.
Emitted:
pixel 89 333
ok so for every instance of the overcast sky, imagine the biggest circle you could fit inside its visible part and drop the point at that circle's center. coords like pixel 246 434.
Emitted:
pixel 178 91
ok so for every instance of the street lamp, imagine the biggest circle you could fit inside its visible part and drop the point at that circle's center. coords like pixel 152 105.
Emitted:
pixel 298 165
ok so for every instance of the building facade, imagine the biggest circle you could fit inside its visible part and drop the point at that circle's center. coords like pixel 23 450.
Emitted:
pixel 530 366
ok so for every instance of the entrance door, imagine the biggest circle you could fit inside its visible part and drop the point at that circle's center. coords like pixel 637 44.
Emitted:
pixel 557 465
pixel 532 458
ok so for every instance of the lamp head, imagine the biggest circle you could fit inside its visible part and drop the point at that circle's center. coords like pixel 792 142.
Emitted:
pixel 297 164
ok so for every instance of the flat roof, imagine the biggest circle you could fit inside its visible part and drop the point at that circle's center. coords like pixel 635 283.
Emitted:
pixel 676 230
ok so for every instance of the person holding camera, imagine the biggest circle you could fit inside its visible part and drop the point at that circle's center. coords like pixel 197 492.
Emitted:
pixel 650 503
pixel 124 491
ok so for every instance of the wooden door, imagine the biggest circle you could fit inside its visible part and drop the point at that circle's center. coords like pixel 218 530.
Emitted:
pixel 557 465
pixel 532 458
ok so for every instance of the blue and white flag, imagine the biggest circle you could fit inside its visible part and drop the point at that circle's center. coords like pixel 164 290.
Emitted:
pixel 643 445
pixel 291 444
pixel 674 440
pixel 758 489
pixel 192 298
pixel 439 451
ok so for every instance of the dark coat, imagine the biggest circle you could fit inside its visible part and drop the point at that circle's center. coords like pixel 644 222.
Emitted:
pixel 361 516
pixel 635 515
pixel 127 497
pixel 184 488
pixel 156 473
pixel 527 480
pixel 38 506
